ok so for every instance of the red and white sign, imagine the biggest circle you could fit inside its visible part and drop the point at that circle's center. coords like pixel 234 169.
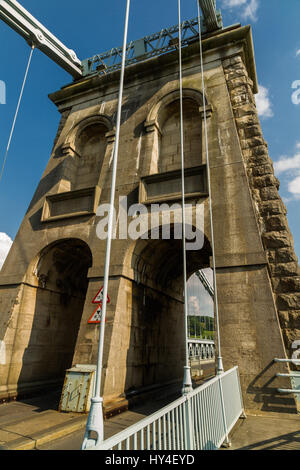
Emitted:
pixel 97 315
pixel 99 297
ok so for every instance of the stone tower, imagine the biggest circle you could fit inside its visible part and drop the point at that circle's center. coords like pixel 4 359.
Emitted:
pixel 56 264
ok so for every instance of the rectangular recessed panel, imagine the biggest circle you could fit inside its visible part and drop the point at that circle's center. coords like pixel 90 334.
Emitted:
pixel 70 204
pixel 169 185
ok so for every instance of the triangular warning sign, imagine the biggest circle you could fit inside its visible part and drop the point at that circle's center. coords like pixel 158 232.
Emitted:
pixel 99 297
pixel 97 315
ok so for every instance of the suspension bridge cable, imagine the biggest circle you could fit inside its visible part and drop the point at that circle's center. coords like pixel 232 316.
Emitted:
pixel 16 114
pixel 112 200
pixel 220 368
pixel 95 420
pixel 187 383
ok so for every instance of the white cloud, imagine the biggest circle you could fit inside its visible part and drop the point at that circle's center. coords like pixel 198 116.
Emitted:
pixel 193 306
pixel 294 187
pixel 249 7
pixel 233 3
pixel 298 53
pixel 251 10
pixel 290 166
pixel 5 244
pixel 263 103
pixel 288 163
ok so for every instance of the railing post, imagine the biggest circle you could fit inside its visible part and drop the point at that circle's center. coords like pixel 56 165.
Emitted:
pixel 243 414
pixel 188 426
pixel 226 442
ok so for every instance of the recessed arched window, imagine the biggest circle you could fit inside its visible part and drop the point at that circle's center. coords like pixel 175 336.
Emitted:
pixel 170 144
pixel 90 146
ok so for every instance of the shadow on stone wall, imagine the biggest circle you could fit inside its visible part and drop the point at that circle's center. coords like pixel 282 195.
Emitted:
pixel 156 355
pixel 57 305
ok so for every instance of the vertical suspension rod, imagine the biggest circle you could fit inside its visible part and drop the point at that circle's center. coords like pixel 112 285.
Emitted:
pixel 187 383
pixel 220 368
pixel 95 420
pixel 111 212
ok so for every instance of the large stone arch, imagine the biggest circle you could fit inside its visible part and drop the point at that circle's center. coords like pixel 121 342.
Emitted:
pixel 156 347
pixel 49 315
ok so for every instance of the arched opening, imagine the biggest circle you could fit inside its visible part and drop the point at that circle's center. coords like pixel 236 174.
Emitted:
pixel 90 145
pixel 169 155
pixel 157 347
pixel 53 307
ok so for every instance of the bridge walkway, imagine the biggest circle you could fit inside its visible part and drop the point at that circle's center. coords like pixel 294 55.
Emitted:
pixel 35 424
pixel 271 431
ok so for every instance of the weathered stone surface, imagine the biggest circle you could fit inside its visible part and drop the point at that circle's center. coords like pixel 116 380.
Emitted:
pixel 269 193
pixel 284 269
pixel 257 160
pixel 288 284
pixel 237 82
pixel 256 141
pixel 263 170
pixel 270 208
pixel 294 318
pixel 247 121
pixel 252 131
pixel 232 61
pixel 276 223
pixel 271 212
pixel 289 301
pixel 284 318
pixel 290 335
pixel 236 73
pixel 286 255
pixel 261 150
pixel 276 239
pixel 265 181
pixel 245 110
pixel 271 256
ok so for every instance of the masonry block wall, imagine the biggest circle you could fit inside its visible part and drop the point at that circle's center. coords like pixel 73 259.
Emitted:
pixel 270 209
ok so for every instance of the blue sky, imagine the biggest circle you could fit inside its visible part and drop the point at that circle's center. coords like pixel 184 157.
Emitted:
pixel 97 25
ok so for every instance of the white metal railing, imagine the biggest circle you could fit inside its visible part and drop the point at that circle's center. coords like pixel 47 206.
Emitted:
pixel 294 376
pixel 202 349
pixel 200 420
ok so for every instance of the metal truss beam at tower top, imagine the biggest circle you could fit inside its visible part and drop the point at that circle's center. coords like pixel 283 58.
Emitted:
pixel 156 44
pixel 19 19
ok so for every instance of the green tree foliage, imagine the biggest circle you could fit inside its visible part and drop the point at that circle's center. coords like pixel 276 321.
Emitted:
pixel 201 327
